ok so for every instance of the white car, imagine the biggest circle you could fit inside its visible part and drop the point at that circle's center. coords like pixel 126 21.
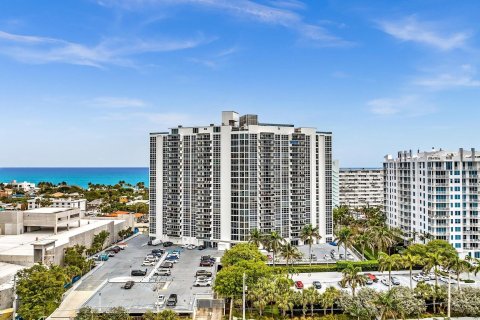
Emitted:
pixel 191 246
pixel 160 301
pixel 202 283
pixel 162 272
pixel 148 263
pixel 385 281
pixel 418 278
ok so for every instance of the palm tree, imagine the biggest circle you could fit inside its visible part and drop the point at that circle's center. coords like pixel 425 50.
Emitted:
pixel 458 266
pixel 273 243
pixel 409 260
pixel 284 301
pixel 308 235
pixel 312 296
pixel 353 276
pixel 328 298
pixel 262 294
pixel 345 237
pixel 363 239
pixel 289 252
pixel 432 261
pixel 386 305
pixel 256 237
pixel 383 237
pixel 387 262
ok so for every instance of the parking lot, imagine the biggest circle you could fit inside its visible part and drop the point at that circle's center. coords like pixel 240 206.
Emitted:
pixel 144 293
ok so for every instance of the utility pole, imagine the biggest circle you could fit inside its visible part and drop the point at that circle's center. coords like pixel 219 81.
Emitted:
pixel 243 290
pixel 449 294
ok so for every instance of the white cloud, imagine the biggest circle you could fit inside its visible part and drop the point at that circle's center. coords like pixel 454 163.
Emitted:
pixel 281 13
pixel 116 102
pixel 40 50
pixel 409 105
pixel 465 77
pixel 427 33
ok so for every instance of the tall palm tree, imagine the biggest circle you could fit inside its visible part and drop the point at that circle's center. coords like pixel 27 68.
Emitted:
pixel 386 305
pixel 362 239
pixel 388 263
pixel 273 242
pixel 308 235
pixel 432 261
pixel 262 294
pixel 458 266
pixel 345 237
pixel 353 277
pixel 256 237
pixel 383 237
pixel 289 252
pixel 410 260
pixel 328 298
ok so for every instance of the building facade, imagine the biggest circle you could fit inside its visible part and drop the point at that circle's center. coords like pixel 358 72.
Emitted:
pixel 361 187
pixel 335 183
pixel 81 204
pixel 435 194
pixel 212 185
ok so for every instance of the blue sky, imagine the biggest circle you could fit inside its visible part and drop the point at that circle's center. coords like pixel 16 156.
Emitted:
pixel 84 82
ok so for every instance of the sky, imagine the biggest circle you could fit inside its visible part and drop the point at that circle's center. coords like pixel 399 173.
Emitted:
pixel 82 83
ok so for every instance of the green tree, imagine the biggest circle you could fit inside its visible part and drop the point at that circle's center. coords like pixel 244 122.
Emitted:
pixel 255 238
pixel 273 242
pixel 309 235
pixel 75 256
pixel 242 252
pixel 262 293
pixel 345 237
pixel 406 304
pixel 386 305
pixel 87 313
pixel 312 297
pixel 458 266
pixel 167 315
pixel 284 300
pixel 353 277
pixel 40 290
pixel 289 252
pixel 328 298
pixel 409 260
pixel 387 263
pixel 117 313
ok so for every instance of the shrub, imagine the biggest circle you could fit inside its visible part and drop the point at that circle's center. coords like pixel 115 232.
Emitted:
pixel 370 265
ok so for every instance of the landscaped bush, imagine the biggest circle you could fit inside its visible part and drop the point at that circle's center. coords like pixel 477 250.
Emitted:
pixel 370 265
pixel 468 280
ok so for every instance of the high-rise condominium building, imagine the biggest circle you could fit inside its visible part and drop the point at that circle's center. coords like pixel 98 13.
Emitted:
pixel 361 187
pixel 435 193
pixel 213 184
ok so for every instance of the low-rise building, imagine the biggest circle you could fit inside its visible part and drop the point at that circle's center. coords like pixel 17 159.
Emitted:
pixel 81 204
pixel 24 186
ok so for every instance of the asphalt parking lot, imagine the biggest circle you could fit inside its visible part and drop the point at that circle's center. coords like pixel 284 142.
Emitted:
pixel 144 293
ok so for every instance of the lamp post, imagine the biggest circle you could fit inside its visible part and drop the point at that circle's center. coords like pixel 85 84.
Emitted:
pixel 243 292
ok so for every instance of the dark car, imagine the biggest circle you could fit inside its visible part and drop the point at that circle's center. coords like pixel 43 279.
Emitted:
pixel 115 249
pixel 110 253
pixel 172 300
pixel 203 273
pixel 317 284
pixel 168 244
pixel 139 272
pixel 201 247
pixel 208 258
pixel 158 251
pixel 166 264
pixel 128 285
pixel 206 263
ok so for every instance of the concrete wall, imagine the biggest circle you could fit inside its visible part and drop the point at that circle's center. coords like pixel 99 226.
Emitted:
pixel 11 222
pixel 6 298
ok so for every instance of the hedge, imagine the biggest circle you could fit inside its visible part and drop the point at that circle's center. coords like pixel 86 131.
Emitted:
pixel 370 265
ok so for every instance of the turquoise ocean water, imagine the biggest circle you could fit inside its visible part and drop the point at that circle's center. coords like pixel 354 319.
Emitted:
pixel 76 176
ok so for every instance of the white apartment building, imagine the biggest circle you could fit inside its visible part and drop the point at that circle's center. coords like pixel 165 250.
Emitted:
pixel 435 193
pixel 59 203
pixel 213 184
pixel 24 186
pixel 361 187
pixel 335 183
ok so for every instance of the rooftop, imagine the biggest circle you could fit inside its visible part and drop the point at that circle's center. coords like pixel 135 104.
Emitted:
pixel 48 210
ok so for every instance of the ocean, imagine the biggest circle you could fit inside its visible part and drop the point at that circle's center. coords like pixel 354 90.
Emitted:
pixel 76 176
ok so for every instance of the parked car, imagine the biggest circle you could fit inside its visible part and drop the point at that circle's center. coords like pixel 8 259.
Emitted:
pixel 148 263
pixel 128 284
pixel 205 282
pixel 162 272
pixel 166 264
pixel 157 251
pixel 154 242
pixel 172 300
pixel 102 257
pixel 160 301
pixel 201 247
pixel 317 284
pixel 368 281
pixel 117 248
pixel 372 277
pixel 110 253
pixel 138 272
pixel 418 278
pixel 206 263
pixel 385 282
pixel 299 284
pixel 395 281
pixel 167 244
pixel 204 258
pixel 313 256
pixel 122 245
pixel 203 273
pixel 191 246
